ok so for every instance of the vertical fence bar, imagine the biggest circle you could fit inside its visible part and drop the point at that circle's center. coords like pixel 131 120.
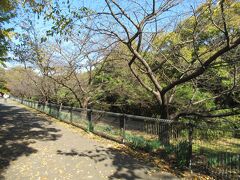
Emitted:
pixel 59 111
pixel 190 141
pixel 50 109
pixel 123 127
pixel 71 115
pixel 89 118
pixel 237 165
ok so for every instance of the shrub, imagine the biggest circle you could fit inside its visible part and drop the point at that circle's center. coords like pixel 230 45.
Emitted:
pixel 90 127
pixel 153 145
pixel 182 153
pixel 139 142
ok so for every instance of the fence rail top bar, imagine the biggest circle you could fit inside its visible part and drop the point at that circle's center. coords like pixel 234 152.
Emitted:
pixel 158 120
pixel 105 112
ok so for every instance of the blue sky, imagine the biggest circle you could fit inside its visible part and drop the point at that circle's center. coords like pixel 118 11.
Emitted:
pixel 43 25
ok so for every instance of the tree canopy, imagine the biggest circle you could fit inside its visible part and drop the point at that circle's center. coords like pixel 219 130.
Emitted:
pixel 129 56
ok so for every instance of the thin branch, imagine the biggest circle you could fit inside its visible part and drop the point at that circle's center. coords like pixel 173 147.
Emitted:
pixel 199 71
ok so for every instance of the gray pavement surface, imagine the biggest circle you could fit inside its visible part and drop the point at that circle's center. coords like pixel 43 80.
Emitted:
pixel 32 147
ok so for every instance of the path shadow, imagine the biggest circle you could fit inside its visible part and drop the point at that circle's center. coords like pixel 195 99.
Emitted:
pixel 126 166
pixel 18 130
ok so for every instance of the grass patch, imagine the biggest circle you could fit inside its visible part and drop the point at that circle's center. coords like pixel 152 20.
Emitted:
pixel 107 129
pixel 139 142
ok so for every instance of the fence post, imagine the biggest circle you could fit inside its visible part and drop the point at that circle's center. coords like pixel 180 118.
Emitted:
pixel 71 115
pixel 163 133
pixel 190 139
pixel 59 111
pixel 89 118
pixel 50 109
pixel 123 127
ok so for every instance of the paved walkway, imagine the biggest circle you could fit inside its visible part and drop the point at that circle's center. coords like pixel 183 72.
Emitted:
pixel 32 147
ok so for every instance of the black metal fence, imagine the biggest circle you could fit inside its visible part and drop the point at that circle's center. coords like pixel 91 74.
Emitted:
pixel 204 147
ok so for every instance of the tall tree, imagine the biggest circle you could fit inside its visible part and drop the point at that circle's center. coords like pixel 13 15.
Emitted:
pixel 3 82
pixel 19 83
pixel 210 32
pixel 6 13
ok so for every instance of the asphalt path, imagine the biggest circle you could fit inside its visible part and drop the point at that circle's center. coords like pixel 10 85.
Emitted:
pixel 32 147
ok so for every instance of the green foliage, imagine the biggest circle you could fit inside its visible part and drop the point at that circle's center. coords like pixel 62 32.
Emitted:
pixel 107 129
pixel 3 82
pixel 153 145
pixel 6 13
pixel 176 54
pixel 139 142
pixel 180 150
pixel 187 93
pixel 64 23
pixel 221 159
pixel 90 127
pixel 191 44
pixel 182 153
pixel 119 87
pixel 209 134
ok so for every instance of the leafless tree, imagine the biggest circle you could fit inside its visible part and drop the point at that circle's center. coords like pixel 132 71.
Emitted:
pixel 75 67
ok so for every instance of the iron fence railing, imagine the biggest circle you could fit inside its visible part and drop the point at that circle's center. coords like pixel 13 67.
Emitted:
pixel 203 147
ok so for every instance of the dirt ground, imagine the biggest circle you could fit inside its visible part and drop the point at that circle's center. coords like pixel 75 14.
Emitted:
pixel 34 147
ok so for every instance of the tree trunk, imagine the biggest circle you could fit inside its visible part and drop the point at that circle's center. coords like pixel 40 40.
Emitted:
pixel 164 129
pixel 85 103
